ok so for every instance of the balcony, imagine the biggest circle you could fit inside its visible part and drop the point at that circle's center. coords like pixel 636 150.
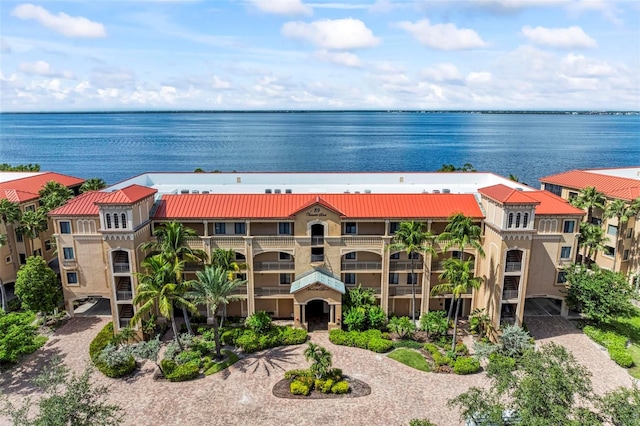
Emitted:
pixel 405 265
pixel 121 267
pixel 317 241
pixel 273 266
pixel 69 263
pixel 317 258
pixel 361 241
pixel 227 242
pixel 509 294
pixel 272 291
pixel 273 241
pixel 513 267
pixel 124 295
pixel 194 243
pixel 125 322
pixel 361 266
pixel 242 290
pixel 403 291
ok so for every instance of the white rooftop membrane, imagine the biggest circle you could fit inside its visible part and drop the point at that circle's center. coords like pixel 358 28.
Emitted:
pixel 625 172
pixel 9 176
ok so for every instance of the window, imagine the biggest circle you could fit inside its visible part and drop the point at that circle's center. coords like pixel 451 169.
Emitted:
pixel 124 220
pixel 240 228
pixel 47 245
pixel 7 259
pixel 395 256
pixel 116 221
pixel 350 256
pixel 415 256
pixel 572 195
pixel 565 252
pixel 612 230
pixel 609 251
pixel 554 189
pixel 65 227
pixel 284 228
pixel 518 220
pixel 240 256
pixel 30 208
pixel 108 218
pixel 23 258
pixel 393 227
pixel 241 276
pixel 72 278
pixel 394 278
pixel 525 220
pixel 68 253
pixel 284 256
pixel 625 255
pixel 596 221
pixel 562 277
pixel 37 252
pixel 569 226
pixel 285 279
pixel 350 228
pixel 412 279
pixel 19 237
pixel 350 279
pixel 629 232
pixel 510 221
pixel 317 254
pixel 220 228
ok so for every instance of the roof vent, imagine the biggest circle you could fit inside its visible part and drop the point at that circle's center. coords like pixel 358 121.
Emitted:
pixel 195 191
pixel 205 192
pixel 436 191
pixel 267 191
pixel 347 192
pixel 446 191
pixel 356 192
pixel 287 191
pixel 519 189
pixel 367 191
pixel 238 179
pixel 184 191
pixel 277 191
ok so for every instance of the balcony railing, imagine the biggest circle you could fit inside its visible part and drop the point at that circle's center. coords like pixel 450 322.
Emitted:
pixel 121 267
pixel 125 322
pixel 227 242
pixel 271 291
pixel 194 243
pixel 317 257
pixel 240 290
pixel 513 267
pixel 124 295
pixel 361 241
pixel 509 294
pixel 405 265
pixel 273 241
pixel 69 263
pixel 401 291
pixel 367 266
pixel 273 266
pixel 317 241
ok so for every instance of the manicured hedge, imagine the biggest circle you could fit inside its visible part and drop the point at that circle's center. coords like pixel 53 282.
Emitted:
pixel 214 367
pixel 184 372
pixel 341 387
pixel 298 388
pixel 370 339
pixel 622 357
pixel 102 339
pixel 466 365
pixel 250 341
pixel 615 343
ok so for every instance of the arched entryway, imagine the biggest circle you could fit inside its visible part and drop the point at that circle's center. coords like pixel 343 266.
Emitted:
pixel 317 313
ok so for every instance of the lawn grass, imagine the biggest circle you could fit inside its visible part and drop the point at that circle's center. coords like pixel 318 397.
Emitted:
pixel 232 358
pixel 634 350
pixel 411 358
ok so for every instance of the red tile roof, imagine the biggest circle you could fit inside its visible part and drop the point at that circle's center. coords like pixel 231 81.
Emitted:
pixel 82 205
pixel 26 188
pixel 249 206
pixel 551 204
pixel 128 195
pixel 506 195
pixel 612 186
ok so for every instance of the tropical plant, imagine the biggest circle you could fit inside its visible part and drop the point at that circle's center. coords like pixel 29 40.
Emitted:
pixel 5 167
pixel 434 323
pixel 411 237
pixel 592 240
pixel 320 359
pixel 38 287
pixel 621 211
pixel 226 259
pixel 93 184
pixel 32 223
pixel 158 286
pixel 213 287
pixel 457 279
pixel 18 336
pixel 479 321
pixel 402 326
pixel 589 198
pixel 9 215
pixel 3 295
pixel 53 195
pixel 514 341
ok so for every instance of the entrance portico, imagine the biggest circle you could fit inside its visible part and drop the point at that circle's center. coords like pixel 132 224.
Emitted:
pixel 314 293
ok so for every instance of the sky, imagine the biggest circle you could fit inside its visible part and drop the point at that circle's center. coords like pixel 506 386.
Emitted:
pixel 319 55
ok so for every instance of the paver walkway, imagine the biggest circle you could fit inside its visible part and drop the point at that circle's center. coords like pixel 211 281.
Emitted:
pixel 241 395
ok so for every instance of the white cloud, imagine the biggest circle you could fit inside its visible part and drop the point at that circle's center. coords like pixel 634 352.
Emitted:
pixel 478 77
pixel 5 47
pixel 442 36
pixel 581 66
pixel 562 38
pixel 332 34
pixel 43 68
pixel 218 83
pixel 608 9
pixel 70 26
pixel 283 7
pixel 442 72
pixel 341 6
pixel 340 58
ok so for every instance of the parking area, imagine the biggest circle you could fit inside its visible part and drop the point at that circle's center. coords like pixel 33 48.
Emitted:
pixel 541 306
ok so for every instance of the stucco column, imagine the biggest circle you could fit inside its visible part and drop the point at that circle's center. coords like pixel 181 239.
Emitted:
pixel 303 319
pixel 384 290
pixel 206 227
pixel 332 313
pixel 251 303
pixel 426 284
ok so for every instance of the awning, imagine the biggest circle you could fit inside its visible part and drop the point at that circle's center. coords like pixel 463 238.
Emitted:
pixel 317 276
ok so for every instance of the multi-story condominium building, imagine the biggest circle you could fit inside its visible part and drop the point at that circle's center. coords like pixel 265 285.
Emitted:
pixel 622 252
pixel 305 238
pixel 22 188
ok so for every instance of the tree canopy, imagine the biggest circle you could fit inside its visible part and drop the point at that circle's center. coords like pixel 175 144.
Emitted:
pixel 38 287
pixel 93 184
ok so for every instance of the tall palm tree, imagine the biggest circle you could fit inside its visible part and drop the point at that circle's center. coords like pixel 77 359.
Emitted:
pixel 54 195
pixel 9 215
pixel 3 295
pixel 32 223
pixel 411 237
pixel 172 244
pixel 93 184
pixel 620 210
pixel 158 287
pixel 588 198
pixel 213 287
pixel 591 239
pixel 226 259
pixel 458 279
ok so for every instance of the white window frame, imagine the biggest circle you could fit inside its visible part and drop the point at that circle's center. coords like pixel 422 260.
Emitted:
pixel 350 274
pixel 69 223
pixel 69 283
pixel 64 253
pixel 564 226
pixel 351 226
pixel 565 257
pixel 284 224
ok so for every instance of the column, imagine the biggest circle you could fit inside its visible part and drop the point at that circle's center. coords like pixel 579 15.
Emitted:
pixel 303 320
pixel 332 314
pixel 251 303
pixel 384 291
pixel 426 284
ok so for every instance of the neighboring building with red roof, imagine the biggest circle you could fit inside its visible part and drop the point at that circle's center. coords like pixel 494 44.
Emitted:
pixel 305 238
pixel 22 188
pixel 622 252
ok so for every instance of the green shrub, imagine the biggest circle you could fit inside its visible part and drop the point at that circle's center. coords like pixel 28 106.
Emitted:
pixel 440 359
pixel 379 345
pixel 168 366
pixel 499 364
pixel 515 341
pixel 294 374
pixel 376 317
pixel 335 374
pixel 250 341
pixel 411 344
pixel 338 337
pixel 184 372
pixel 606 338
pixel 118 370
pixel 622 357
pixel 431 348
pixel 323 385
pixel 341 387
pixel 186 357
pixel 298 388
pixel 420 422
pixel 461 349
pixel 229 337
pixel 260 322
pixel 355 319
pixel 434 323
pixel 402 326
pixel 102 339
pixel 291 336
pixel 466 365
pixel 18 336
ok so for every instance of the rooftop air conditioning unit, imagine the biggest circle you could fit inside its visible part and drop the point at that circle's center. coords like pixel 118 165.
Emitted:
pixel 436 191
pixel 184 191
pixel 287 191
pixel 195 191
pixel 446 191
pixel 367 191
pixel 277 191
pixel 267 191
pixel 205 192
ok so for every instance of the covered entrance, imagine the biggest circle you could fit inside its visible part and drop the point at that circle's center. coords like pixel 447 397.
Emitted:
pixel 317 300
pixel 317 315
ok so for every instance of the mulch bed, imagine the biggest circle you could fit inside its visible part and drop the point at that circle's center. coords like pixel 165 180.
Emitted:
pixel 357 388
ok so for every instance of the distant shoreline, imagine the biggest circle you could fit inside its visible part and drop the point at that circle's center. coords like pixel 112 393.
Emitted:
pixel 514 112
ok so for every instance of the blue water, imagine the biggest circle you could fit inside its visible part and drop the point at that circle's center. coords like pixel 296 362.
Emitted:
pixel 118 146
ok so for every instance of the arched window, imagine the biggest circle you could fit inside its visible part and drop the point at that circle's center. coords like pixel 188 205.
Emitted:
pixel 518 220
pixel 124 221
pixel 510 223
pixel 108 217
pixel 115 221
pixel 525 220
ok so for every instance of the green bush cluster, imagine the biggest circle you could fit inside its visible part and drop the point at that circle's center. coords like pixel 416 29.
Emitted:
pixel 303 382
pixel 228 337
pixel 340 388
pixel 402 326
pixel 461 349
pixel 370 339
pixel 298 388
pixel 98 344
pixel 18 336
pixel 260 322
pixel 251 341
pixel 179 373
pixel 411 344
pixel 622 357
pixel 466 365
pixel 499 364
pixel 102 339
pixel 438 358
pixel 615 343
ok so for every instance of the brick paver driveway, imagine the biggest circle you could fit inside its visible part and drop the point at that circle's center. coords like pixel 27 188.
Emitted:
pixel 241 395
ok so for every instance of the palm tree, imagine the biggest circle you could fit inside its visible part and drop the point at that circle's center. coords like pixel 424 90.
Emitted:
pixel 588 198
pixel 458 279
pixel 54 195
pixel 32 223
pixel 620 210
pixel 411 237
pixel 226 259
pixel 214 287
pixel 158 287
pixel 93 184
pixel 3 295
pixel 9 215
pixel 172 244
pixel 592 239
pixel 320 360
